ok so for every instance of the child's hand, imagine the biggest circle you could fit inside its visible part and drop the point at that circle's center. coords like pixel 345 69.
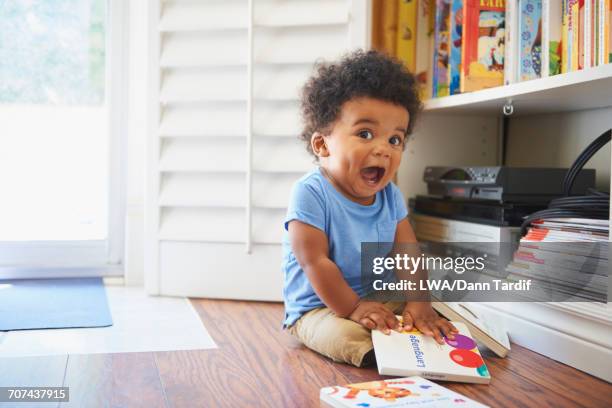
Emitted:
pixel 422 316
pixel 374 315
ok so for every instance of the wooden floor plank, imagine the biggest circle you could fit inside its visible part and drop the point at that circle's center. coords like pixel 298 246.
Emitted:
pixel 113 380
pixel 45 371
pixel 583 389
pixel 257 364
pixel 248 329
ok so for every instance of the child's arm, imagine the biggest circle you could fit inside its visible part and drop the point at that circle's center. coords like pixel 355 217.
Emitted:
pixel 420 313
pixel 311 249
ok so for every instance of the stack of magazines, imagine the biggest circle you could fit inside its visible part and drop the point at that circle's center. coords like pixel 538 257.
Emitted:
pixel 566 258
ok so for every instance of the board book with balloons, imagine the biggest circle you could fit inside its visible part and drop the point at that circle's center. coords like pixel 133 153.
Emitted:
pixel 398 392
pixel 409 353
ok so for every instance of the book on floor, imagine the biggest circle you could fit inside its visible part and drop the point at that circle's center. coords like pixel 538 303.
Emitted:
pixel 409 353
pixel 485 330
pixel 399 392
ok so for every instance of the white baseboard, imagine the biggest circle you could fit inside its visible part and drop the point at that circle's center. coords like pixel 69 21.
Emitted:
pixel 579 339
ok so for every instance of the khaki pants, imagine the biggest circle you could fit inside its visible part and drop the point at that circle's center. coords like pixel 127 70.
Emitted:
pixel 340 339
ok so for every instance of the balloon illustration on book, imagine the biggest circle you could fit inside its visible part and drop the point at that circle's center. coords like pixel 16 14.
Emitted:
pixel 463 354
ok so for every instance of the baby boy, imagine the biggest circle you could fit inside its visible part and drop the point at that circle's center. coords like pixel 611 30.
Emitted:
pixel 357 114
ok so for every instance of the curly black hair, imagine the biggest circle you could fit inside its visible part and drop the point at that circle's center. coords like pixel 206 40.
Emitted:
pixel 358 74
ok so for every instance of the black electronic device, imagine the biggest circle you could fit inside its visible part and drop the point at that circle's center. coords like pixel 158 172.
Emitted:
pixel 503 184
pixel 478 211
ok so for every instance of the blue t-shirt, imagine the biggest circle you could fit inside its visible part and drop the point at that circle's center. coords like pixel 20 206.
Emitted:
pixel 315 201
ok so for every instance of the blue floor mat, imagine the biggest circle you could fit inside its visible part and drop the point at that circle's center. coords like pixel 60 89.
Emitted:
pixel 53 304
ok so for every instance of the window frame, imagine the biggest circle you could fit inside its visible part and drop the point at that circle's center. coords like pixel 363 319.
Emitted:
pixel 54 259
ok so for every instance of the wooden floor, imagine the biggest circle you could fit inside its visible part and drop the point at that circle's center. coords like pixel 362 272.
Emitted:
pixel 258 365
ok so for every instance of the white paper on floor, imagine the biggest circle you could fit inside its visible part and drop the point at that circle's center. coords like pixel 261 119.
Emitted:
pixel 140 323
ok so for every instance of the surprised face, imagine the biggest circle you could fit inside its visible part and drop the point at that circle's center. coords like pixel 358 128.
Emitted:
pixel 363 150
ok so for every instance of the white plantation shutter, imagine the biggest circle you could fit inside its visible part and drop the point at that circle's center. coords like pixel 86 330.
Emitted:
pixel 198 167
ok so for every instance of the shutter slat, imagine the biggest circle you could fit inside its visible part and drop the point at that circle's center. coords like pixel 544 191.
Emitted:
pixel 272 13
pixel 225 190
pixel 222 48
pixel 229 83
pixel 209 84
pixel 210 154
pixel 277 119
pixel 206 119
pixel 220 225
pixel 270 154
pixel 299 45
pixel 269 119
pixel 181 16
pixel 279 155
pixel 207 16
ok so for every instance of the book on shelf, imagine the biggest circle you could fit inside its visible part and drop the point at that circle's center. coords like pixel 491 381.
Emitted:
pixel 406 33
pixel 485 330
pixel 552 23
pixel 483 44
pixel 441 79
pixel 511 43
pixel 586 31
pixel 397 392
pixel 480 44
pixel 607 31
pixel 581 37
pixel 424 47
pixel 530 34
pixel 410 352
pixel 456 40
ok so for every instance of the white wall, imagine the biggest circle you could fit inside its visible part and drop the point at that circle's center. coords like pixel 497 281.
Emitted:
pixel 557 139
pixel 446 140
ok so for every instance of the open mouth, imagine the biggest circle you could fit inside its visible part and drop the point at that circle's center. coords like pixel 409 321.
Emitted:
pixel 372 175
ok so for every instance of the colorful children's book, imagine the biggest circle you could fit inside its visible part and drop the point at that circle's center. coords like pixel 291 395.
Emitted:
pixel 530 33
pixel 511 42
pixel 608 31
pixel 581 28
pixel 483 44
pixel 552 23
pixel 593 33
pixel 603 31
pixel 573 34
pixel 424 47
pixel 456 39
pixel 406 33
pixel 412 353
pixel 399 392
pixel 483 328
pixel 441 79
pixel 586 30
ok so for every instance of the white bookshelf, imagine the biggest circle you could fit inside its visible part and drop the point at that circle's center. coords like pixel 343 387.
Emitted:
pixel 573 91
pixel 460 129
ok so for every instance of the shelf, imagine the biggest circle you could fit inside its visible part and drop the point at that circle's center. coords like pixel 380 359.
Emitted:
pixel 586 89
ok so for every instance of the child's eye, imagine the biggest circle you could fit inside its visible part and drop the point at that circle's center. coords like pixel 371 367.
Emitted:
pixel 396 141
pixel 365 134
